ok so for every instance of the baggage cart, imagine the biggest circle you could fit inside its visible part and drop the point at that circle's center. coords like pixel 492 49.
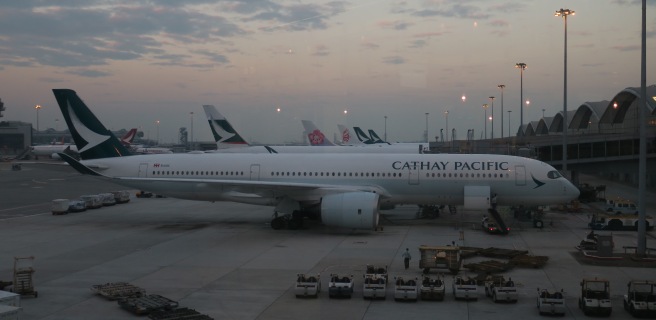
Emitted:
pixel 147 304
pixel 438 257
pixel 118 290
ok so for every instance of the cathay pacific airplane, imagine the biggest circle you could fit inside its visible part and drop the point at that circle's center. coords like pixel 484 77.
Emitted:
pixel 344 190
pixel 228 140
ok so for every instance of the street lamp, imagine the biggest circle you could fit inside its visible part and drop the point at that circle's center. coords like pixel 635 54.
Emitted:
pixel 509 111
pixel 426 126
pixel 157 122
pixel 492 116
pixel 191 116
pixel 485 108
pixel 542 113
pixel 501 86
pixel 564 13
pixel 37 107
pixel 385 128
pixel 521 66
pixel 446 115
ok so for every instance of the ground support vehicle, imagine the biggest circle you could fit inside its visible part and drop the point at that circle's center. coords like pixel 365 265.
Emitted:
pixel 494 225
pixel 640 299
pixel 59 206
pixel 93 201
pixel 551 303
pixel 77 206
pixel 406 290
pixel 465 288
pixel 340 287
pixel 375 283
pixel 595 297
pixel 440 257
pixel 307 286
pixel 122 196
pixel 604 221
pixel 500 290
pixel 23 281
pixel 432 288
pixel 147 304
pixel 118 290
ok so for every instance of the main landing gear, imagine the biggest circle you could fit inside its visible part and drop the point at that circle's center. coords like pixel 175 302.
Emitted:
pixel 292 221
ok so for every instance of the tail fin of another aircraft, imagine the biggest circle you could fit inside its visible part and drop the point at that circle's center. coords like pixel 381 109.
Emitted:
pixel 347 137
pixel 316 137
pixel 92 139
pixel 375 138
pixel 224 134
pixel 363 137
pixel 129 137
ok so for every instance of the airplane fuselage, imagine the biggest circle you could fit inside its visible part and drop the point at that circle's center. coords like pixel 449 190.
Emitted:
pixel 398 178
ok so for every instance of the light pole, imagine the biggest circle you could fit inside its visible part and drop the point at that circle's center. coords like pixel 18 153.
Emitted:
pixel 157 122
pixel 446 115
pixel 564 13
pixel 501 86
pixel 492 115
pixel 191 116
pixel 37 107
pixel 427 127
pixel 509 111
pixel 385 128
pixel 542 113
pixel 521 66
pixel 485 108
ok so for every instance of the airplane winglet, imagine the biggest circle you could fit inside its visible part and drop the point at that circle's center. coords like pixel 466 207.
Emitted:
pixel 77 165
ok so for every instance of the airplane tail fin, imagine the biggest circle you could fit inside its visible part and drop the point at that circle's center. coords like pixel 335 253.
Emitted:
pixel 92 139
pixel 129 137
pixel 375 138
pixel 363 137
pixel 347 136
pixel 316 137
pixel 224 134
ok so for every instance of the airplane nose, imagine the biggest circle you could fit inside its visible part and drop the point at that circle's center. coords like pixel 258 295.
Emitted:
pixel 571 190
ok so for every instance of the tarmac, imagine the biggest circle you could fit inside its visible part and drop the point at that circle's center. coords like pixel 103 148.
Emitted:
pixel 224 260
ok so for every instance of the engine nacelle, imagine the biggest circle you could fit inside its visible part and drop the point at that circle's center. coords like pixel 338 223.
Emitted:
pixel 356 210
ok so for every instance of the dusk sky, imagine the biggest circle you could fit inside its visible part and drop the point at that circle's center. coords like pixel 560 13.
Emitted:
pixel 135 62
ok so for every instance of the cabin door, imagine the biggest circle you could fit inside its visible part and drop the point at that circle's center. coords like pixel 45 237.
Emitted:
pixel 520 175
pixel 255 172
pixel 143 170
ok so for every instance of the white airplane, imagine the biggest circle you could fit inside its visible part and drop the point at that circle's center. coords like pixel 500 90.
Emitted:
pixel 344 190
pixel 348 139
pixel 228 140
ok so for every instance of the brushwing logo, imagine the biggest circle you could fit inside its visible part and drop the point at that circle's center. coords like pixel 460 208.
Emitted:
pixel 93 139
pixel 538 183
pixel 223 135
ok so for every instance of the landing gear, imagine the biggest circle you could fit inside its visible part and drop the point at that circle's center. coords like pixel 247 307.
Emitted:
pixel 292 221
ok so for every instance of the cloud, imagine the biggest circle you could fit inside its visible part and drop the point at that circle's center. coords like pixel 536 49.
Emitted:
pixel 395 25
pixel 508 7
pixel 297 17
pixel 91 33
pixel 428 34
pixel 369 45
pixel 89 73
pixel 456 10
pixel 499 23
pixel 394 60
pixel 418 44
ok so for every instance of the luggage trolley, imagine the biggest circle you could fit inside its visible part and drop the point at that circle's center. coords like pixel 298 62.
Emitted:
pixel 23 270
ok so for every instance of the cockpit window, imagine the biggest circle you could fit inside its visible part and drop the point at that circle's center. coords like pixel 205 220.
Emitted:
pixel 553 175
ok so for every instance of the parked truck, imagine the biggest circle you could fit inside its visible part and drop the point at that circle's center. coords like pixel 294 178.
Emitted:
pixel 640 299
pixel 595 297
pixel 340 287
pixel 500 290
pixel 551 303
pixel 307 286
pixel 406 290
pixel 432 288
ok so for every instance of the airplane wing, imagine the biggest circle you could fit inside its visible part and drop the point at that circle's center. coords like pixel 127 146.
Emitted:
pixel 297 191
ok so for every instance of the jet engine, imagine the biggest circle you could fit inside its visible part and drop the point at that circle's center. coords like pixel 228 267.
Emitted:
pixel 356 210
